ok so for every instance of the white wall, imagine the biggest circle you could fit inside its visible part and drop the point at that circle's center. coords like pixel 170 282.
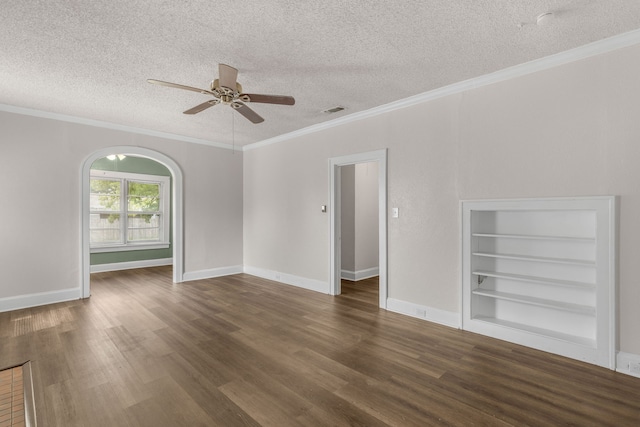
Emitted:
pixel 569 131
pixel 366 216
pixel 359 220
pixel 348 218
pixel 40 226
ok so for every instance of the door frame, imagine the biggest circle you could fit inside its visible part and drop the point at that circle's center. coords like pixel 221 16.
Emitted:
pixel 379 156
pixel 176 212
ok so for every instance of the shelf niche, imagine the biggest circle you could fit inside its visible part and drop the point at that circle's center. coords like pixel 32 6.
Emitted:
pixel 541 273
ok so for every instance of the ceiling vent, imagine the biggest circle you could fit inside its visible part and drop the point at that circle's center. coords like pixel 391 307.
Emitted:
pixel 333 109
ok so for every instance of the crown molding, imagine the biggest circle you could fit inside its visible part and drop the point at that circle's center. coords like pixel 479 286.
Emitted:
pixel 583 52
pixel 599 47
pixel 107 125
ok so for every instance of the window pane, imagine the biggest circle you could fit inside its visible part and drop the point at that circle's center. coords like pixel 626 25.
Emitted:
pixel 105 195
pixel 143 227
pixel 104 229
pixel 144 197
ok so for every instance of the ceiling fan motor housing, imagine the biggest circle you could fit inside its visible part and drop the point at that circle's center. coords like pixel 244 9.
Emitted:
pixel 228 95
pixel 223 90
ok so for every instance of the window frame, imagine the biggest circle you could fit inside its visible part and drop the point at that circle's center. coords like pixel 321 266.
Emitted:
pixel 164 210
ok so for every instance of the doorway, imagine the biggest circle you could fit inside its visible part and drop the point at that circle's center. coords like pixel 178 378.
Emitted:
pixel 176 211
pixel 359 225
pixel 335 210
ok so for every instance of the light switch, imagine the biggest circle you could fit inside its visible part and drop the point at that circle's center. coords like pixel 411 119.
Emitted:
pixel 323 208
pixel 395 212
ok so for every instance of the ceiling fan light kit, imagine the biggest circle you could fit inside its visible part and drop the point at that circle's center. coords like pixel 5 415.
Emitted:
pixel 226 90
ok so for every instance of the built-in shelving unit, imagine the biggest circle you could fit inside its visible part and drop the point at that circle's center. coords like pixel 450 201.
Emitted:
pixel 541 273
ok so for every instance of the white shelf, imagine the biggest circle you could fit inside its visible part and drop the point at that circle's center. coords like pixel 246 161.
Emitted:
pixel 535 279
pixel 541 273
pixel 587 342
pixel 533 237
pixel 585 263
pixel 540 302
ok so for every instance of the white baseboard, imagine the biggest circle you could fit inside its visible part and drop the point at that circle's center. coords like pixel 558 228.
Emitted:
pixel 41 298
pixel 211 273
pixel 128 265
pixel 354 276
pixel 628 363
pixel 289 279
pixel 442 317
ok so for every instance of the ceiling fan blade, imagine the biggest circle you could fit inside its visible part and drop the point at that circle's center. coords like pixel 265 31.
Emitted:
pixel 202 106
pixel 269 99
pixel 228 76
pixel 248 113
pixel 177 86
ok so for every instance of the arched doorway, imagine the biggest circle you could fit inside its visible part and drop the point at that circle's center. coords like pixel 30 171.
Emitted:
pixel 177 220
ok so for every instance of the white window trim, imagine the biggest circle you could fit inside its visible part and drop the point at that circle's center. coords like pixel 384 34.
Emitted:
pixel 165 194
pixel 129 247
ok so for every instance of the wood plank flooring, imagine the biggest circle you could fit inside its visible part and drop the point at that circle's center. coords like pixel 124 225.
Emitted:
pixel 243 351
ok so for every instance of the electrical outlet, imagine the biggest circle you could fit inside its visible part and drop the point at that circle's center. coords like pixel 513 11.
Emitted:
pixel 634 368
pixel 421 312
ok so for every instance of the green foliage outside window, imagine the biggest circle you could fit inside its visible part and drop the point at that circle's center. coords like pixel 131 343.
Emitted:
pixel 142 197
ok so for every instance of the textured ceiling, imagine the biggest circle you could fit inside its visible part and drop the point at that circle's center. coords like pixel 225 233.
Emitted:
pixel 91 59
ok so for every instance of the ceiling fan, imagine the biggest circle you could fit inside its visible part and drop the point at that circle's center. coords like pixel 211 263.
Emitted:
pixel 227 90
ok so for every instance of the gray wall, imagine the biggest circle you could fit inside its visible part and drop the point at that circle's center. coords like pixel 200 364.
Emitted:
pixel 572 130
pixel 359 217
pixel 366 216
pixel 348 217
pixel 40 183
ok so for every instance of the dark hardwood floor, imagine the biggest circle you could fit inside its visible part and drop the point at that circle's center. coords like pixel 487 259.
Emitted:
pixel 243 351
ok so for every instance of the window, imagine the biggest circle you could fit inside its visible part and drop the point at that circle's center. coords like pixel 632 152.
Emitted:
pixel 128 211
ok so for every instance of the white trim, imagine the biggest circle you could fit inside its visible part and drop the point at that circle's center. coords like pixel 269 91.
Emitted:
pixel 435 315
pixel 132 176
pixel 355 276
pixel 289 279
pixel 176 212
pixel 210 273
pixel 348 275
pixel 623 361
pixel 42 298
pixel 129 265
pixel 539 342
pixel 583 52
pixel 379 156
pixel 129 247
pixel 112 126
